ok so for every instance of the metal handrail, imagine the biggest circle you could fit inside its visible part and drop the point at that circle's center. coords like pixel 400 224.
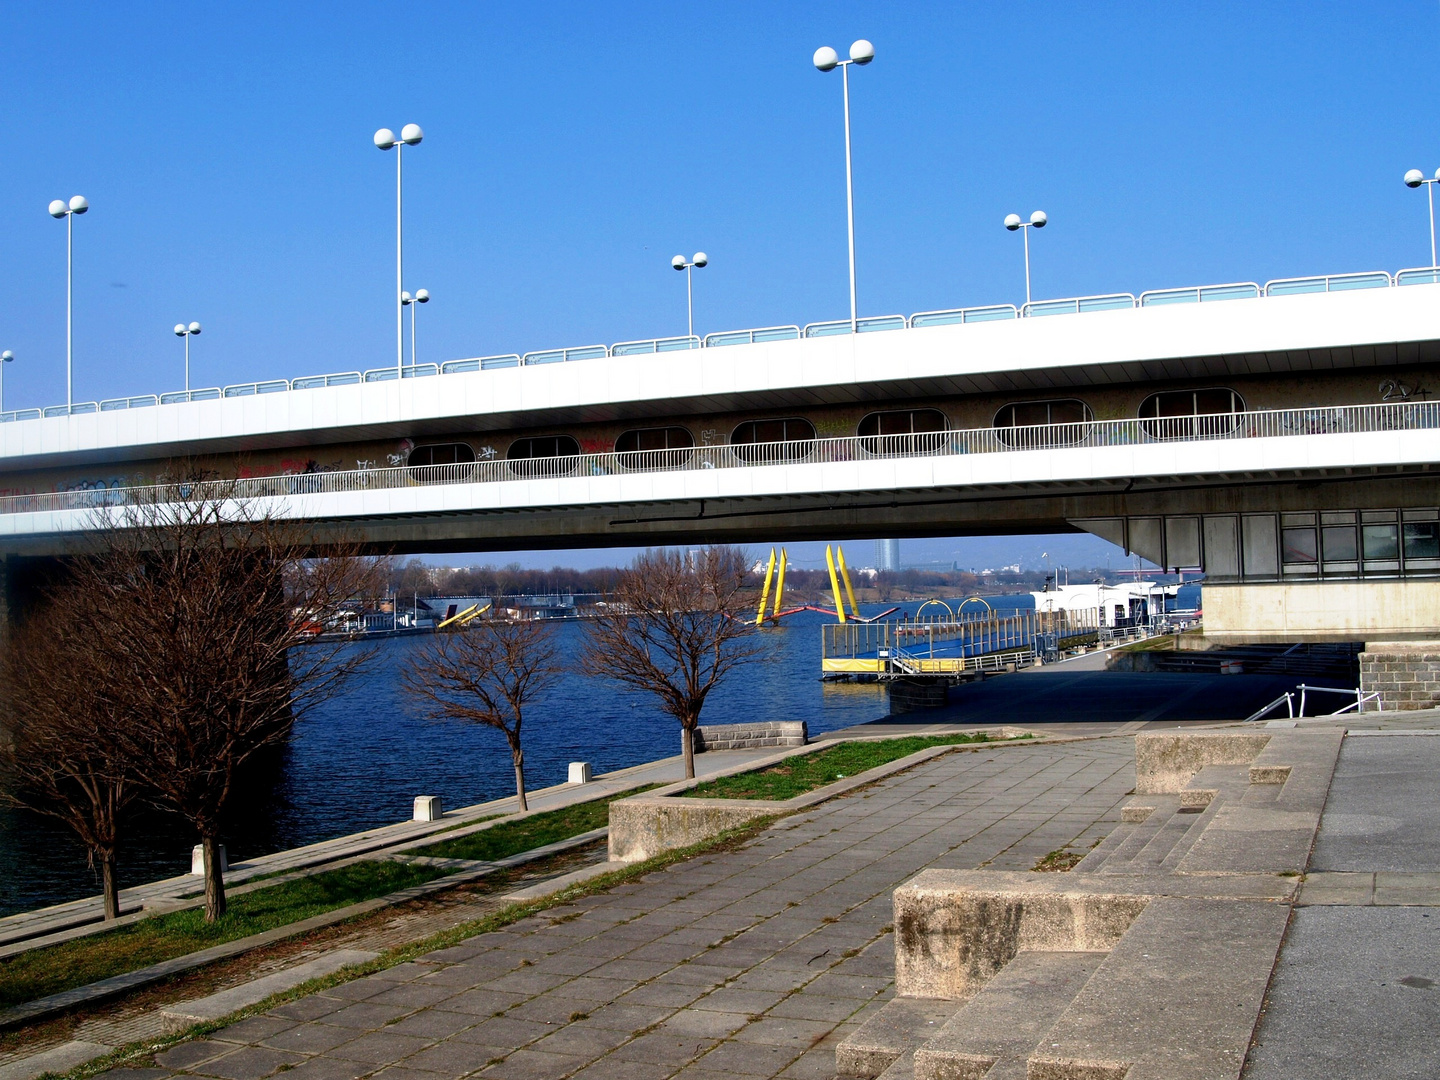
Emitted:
pixel 869 324
pixel 655 345
pixel 480 363
pixel 752 337
pixel 559 356
pixel 1078 305
pixel 409 371
pixel 1288 698
pixel 1075 305
pixel 1420 275
pixel 1274 423
pixel 952 316
pixel 1200 294
pixel 1375 279
pixel 1360 697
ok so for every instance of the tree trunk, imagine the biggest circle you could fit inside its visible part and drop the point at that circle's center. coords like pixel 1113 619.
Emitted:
pixel 214 882
pixel 112 890
pixel 519 756
pixel 687 746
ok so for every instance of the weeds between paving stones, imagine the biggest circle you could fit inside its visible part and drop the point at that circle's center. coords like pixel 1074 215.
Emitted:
pixel 806 772
pixel 1058 861
pixel 142 1054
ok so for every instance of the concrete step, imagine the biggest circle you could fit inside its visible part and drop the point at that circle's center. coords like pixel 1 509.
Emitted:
pixel 900 1026
pixel 996 1032
pixel 1176 999
pixel 1136 836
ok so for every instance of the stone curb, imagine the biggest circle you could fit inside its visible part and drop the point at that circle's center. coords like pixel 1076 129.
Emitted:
pixel 132 980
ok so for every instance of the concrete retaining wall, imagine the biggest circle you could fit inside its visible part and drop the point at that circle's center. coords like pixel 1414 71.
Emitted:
pixel 1406 674
pixel 909 695
pixel 751 736
pixel 642 827
pixel 1165 762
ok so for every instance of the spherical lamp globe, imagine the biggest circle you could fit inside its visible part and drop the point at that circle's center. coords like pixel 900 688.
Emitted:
pixel 862 52
pixel 1012 221
pixel 826 58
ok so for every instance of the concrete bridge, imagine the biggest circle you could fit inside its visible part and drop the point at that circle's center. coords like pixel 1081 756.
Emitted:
pixel 1281 437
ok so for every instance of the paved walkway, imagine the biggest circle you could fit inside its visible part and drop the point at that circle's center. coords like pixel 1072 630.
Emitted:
pixel 749 963
pixel 1356 991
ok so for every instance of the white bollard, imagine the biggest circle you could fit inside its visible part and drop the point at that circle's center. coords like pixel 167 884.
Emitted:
pixel 197 861
pixel 579 772
pixel 427 808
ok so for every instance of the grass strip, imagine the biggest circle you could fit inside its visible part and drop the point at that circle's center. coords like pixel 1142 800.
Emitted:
pixel 141 1054
pixel 41 972
pixel 527 833
pixel 806 772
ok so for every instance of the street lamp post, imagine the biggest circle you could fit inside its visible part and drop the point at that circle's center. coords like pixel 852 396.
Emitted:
pixel 679 263
pixel 826 59
pixel 410 135
pixel 1415 178
pixel 1037 221
pixel 61 209
pixel 422 296
pixel 187 332
pixel 6 357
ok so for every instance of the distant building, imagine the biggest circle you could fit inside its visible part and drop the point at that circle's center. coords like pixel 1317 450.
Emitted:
pixel 887 554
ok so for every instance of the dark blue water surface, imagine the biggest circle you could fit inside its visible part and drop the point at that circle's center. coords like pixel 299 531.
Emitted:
pixel 360 760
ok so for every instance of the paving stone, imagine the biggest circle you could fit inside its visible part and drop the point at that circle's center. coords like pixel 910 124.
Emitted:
pixel 583 1040
pixel 455 1057
pixel 135 1074
pixel 414 995
pixel 328 1068
pixel 310 1038
pixel 706 1023
pixel 365 1015
pixel 505 1031
pixel 534 1065
pixel 380 1047
pixel 481 1002
pixel 254 1029
pixel 664 1048
pixel 247 1063
pixel 433 1024
pixel 309 1008
pixel 734 1058
pixel 188 1054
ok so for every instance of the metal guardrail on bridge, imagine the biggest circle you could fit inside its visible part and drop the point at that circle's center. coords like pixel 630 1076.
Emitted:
pixel 1275 423
pixel 1377 279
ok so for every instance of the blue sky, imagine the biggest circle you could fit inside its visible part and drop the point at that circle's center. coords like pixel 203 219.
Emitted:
pixel 572 148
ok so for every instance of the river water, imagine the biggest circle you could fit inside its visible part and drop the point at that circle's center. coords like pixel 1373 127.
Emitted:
pixel 359 761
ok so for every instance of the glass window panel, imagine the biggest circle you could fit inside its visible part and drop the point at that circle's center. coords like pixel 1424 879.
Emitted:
pixel 1422 540
pixel 1298 545
pixel 1339 543
pixel 1068 412
pixel 1214 401
pixel 1380 541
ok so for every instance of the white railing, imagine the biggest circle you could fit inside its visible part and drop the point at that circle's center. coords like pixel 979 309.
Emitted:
pixel 1377 279
pixel 1278 423
pixel 1201 294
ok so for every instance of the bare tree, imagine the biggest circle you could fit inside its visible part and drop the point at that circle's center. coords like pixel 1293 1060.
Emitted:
pixel 59 756
pixel 678 624
pixel 488 674
pixel 211 608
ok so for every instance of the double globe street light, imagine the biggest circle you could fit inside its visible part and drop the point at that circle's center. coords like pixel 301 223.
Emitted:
pixel 1037 221
pixel 410 135
pixel 61 209
pixel 1415 178
pixel 679 263
pixel 6 357
pixel 187 332
pixel 422 296
pixel 826 59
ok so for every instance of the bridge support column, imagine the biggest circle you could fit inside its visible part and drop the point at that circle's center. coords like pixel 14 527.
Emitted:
pixel 910 695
